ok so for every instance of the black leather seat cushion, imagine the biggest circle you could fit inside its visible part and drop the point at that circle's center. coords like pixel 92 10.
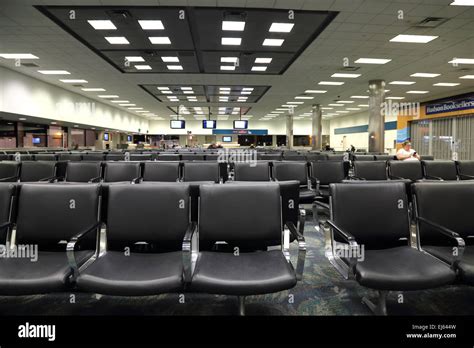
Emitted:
pixel 307 195
pixel 402 268
pixel 21 276
pixel 465 267
pixel 35 171
pixel 445 170
pixel 247 274
pixel 133 275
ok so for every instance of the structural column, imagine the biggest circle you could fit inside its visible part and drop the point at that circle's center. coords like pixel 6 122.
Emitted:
pixel 376 116
pixel 274 140
pixel 317 132
pixel 289 130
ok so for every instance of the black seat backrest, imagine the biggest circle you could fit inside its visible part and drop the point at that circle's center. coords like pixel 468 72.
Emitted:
pixel 294 157
pixel 147 213
pixel 240 213
pixel 115 157
pixel 10 170
pixel 313 157
pixel 93 156
pixel 141 157
pixel 334 157
pixel 7 191
pixel 328 172
pixel 161 171
pixel 201 171
pixel 427 158
pixel 259 171
pixel 363 157
pixel 48 214
pixel 25 157
pixel 168 157
pixel 465 168
pixel 375 213
pixel 70 157
pixel 374 170
pixel 269 156
pixel 37 170
pixel 383 157
pixel 211 156
pixel 445 170
pixel 191 157
pixel 5 157
pixel 448 204
pixel 283 171
pixel 83 171
pixel 406 169
pixel 45 157
pixel 121 171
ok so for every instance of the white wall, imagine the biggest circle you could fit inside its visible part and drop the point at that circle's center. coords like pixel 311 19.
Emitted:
pixel 359 140
pixel 21 94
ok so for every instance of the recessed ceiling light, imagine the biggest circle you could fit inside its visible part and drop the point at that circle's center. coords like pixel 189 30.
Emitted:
pixel 108 96
pixel 372 61
pixel 188 92
pixel 224 92
pixel 273 42
pixel 263 60
pixel 93 89
pixel 54 72
pixel 76 125
pixel 462 61
pixel 248 89
pixel 102 24
pixel 53 122
pixel 446 84
pixel 424 75
pixel 117 40
pixel 135 108
pixel 395 98
pixel 142 67
pixel 22 119
pixel 227 67
pixel 233 41
pixel 413 38
pixel 166 92
pixel 134 59
pixel 119 101
pixel 186 88
pixel 174 67
pixel 73 81
pixel 467 77
pixel 142 111
pixel 417 92
pixel 151 24
pixel 163 88
pixel 245 92
pixel 462 3
pixel 127 104
pixel 160 40
pixel 304 97
pixel 170 59
pixel 330 83
pixel 348 76
pixel 224 88
pixel 342 112
pixel 325 108
pixel 345 101
pixel 18 56
pixel 293 102
pixel 281 27
pixel 259 68
pixel 363 105
pixel 401 83
pixel 353 109
pixel 360 96
pixel 229 59
pixel 335 104
pixel 233 25
pixel 315 91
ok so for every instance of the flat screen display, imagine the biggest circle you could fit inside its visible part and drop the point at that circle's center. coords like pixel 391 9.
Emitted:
pixel 209 124
pixel 175 124
pixel 241 124
pixel 129 138
pixel 106 136
pixel 36 140
pixel 227 139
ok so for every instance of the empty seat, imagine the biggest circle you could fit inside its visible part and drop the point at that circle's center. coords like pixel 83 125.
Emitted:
pixel 201 171
pixel 7 191
pixel 115 157
pixel 45 157
pixel 269 156
pixel 5 157
pixel 83 171
pixel 411 170
pixel 258 220
pixel 141 157
pixel 327 172
pixel 161 220
pixel 93 156
pixel 358 157
pixel 38 171
pixel 465 170
pixel 70 157
pixel 26 157
pixel 168 157
pixel 374 170
pixel 445 224
pixel 383 157
pixel 440 170
pixel 9 171
pixel 259 171
pixel 121 171
pixel 313 157
pixel 48 215
pixel 284 171
pixel 334 157
pixel 388 261
pixel 161 171
pixel 294 157
pixel 191 157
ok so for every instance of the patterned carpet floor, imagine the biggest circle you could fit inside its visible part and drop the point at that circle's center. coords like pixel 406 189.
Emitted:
pixel 321 292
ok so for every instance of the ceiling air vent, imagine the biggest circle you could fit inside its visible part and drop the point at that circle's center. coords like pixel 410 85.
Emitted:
pixel 119 14
pixel 431 22
pixel 234 16
pixel 350 68
pixel 30 65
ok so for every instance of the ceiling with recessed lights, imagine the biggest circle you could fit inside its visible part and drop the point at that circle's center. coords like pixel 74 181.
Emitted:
pixel 436 60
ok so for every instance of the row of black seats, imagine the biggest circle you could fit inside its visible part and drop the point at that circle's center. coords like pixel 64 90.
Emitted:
pixel 369 237
pixel 368 157
pixel 144 242
pixel 99 156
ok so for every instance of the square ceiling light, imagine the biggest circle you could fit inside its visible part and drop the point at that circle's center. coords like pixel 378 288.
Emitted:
pixel 233 25
pixel 117 40
pixel 151 24
pixel 160 40
pixel 273 42
pixel 102 24
pixel 231 41
pixel 413 38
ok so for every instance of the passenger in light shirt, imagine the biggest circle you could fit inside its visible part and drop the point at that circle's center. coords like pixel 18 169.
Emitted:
pixel 406 153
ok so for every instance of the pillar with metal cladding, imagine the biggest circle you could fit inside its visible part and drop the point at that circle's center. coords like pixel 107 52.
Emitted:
pixel 376 116
pixel 289 130
pixel 317 132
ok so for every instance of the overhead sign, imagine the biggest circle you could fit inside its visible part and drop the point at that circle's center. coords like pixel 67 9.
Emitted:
pixel 240 131
pixel 450 105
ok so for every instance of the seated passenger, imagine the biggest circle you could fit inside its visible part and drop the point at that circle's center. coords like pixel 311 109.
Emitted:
pixel 406 153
